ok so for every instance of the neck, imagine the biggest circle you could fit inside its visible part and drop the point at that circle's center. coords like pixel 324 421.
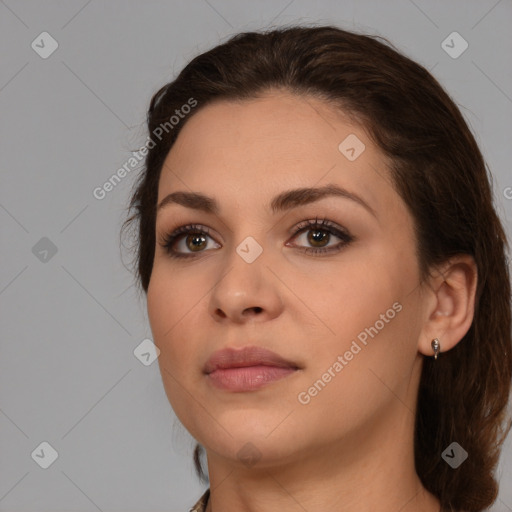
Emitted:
pixel 370 469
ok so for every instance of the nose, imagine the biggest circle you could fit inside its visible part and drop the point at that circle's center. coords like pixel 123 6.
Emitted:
pixel 246 292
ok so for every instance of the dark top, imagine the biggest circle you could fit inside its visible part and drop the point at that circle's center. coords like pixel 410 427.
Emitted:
pixel 200 506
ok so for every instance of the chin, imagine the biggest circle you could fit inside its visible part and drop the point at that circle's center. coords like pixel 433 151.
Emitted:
pixel 253 451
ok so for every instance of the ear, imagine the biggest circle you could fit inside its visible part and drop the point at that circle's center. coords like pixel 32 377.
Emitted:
pixel 450 304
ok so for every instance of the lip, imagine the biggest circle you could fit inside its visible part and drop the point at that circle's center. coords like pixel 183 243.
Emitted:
pixel 246 369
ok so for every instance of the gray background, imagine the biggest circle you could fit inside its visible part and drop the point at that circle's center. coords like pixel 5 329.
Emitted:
pixel 72 320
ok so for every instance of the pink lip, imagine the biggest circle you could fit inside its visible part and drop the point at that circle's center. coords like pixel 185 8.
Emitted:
pixel 246 369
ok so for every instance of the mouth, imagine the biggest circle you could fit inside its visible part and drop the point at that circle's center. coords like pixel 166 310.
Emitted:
pixel 246 369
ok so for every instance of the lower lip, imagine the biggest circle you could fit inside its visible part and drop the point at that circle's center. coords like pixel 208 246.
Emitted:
pixel 247 378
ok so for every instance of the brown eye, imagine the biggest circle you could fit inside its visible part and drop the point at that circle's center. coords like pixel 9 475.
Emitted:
pixel 195 242
pixel 190 239
pixel 318 237
pixel 318 234
pixel 186 240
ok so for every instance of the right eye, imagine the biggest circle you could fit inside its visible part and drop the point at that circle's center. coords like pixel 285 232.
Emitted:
pixel 189 239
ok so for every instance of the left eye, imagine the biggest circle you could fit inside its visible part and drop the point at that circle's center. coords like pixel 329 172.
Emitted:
pixel 318 234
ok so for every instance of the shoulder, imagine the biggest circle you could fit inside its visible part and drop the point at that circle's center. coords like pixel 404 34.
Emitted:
pixel 200 505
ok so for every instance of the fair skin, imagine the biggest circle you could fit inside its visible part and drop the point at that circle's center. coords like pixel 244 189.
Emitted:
pixel 350 448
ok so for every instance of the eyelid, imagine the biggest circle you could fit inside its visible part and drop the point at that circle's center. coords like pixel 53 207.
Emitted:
pixel 168 239
pixel 321 223
pixel 173 235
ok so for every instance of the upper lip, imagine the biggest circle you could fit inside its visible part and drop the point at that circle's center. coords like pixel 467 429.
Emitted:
pixel 246 356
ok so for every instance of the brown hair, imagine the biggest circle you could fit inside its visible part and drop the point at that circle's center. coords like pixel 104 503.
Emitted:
pixel 437 169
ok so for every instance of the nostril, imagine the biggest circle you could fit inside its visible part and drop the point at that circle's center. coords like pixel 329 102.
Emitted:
pixel 253 310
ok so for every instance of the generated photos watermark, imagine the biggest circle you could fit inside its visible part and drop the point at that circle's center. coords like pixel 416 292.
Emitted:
pixel 131 164
pixel 304 397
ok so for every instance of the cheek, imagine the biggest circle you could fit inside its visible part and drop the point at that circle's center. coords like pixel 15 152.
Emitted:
pixel 359 382
pixel 173 304
pixel 366 314
pixel 345 298
pixel 171 297
pixel 173 313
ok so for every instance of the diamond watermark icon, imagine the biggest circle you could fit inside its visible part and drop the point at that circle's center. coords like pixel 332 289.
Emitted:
pixel 249 249
pixel 146 352
pixel 249 454
pixel 351 147
pixel 454 455
pixel 44 45
pixel 454 45
pixel 44 250
pixel 45 455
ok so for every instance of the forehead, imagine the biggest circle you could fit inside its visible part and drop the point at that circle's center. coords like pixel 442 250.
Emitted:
pixel 277 121
pixel 278 141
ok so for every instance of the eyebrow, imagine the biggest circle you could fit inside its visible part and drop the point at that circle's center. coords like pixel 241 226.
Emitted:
pixel 282 202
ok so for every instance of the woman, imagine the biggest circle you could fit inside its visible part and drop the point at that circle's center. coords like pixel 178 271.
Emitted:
pixel 326 278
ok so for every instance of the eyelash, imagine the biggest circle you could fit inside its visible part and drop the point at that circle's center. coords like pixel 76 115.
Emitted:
pixel 323 225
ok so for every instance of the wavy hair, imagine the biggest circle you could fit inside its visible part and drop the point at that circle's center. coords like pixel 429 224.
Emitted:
pixel 437 169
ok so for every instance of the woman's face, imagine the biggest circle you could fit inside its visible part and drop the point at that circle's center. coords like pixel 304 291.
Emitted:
pixel 341 301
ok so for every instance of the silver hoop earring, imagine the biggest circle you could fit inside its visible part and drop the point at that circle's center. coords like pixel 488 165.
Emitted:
pixel 436 347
